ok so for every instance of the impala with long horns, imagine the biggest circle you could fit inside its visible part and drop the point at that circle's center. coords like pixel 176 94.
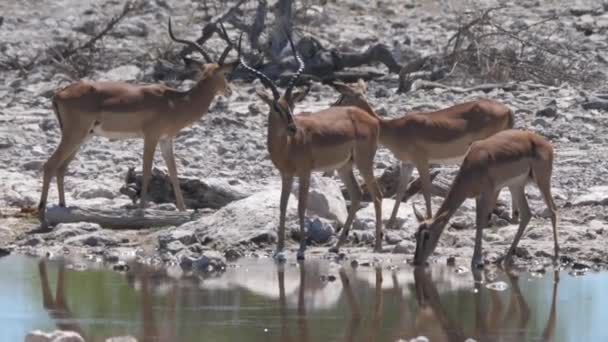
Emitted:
pixel 510 159
pixel 334 138
pixel 119 110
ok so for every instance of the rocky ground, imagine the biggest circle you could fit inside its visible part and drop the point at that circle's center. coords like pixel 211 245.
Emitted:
pixel 229 144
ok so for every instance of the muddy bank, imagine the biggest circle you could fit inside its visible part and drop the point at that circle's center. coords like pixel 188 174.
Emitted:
pixel 229 144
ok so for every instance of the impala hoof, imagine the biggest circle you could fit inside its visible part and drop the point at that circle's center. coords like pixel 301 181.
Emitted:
pixel 300 255
pixel 334 249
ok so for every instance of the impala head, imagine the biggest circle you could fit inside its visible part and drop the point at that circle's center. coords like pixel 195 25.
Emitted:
pixel 350 94
pixel 281 106
pixel 215 71
pixel 427 235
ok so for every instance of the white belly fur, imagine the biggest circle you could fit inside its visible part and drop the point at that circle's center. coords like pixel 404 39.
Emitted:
pixel 97 130
pixel 332 167
pixel 515 181
pixel 448 161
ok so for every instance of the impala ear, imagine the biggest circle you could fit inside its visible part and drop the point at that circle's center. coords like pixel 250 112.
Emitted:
pixel 264 95
pixel 300 94
pixel 418 215
pixel 342 88
pixel 362 86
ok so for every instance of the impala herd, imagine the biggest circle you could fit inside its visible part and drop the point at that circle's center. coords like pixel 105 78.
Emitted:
pixel 478 134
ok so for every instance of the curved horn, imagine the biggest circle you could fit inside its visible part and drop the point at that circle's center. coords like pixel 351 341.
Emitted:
pixel 224 35
pixel 296 76
pixel 266 81
pixel 190 43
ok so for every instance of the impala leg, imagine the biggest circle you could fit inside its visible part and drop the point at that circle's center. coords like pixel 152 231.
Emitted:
pixel 287 183
pixel 166 148
pixel 302 204
pixel 405 173
pixel 348 178
pixel 60 177
pixel 542 175
pixel 149 148
pixel 47 298
pixel 367 173
pixel 522 204
pixel 514 209
pixel 485 204
pixel 69 145
pixel 425 182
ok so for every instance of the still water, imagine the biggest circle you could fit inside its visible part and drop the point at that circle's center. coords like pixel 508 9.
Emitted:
pixel 257 300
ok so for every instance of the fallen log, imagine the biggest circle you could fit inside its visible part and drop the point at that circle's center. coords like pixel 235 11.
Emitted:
pixel 119 218
pixel 197 194
pixel 487 87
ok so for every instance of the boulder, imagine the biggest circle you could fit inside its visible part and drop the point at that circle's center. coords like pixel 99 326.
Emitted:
pixel 252 219
pixel 325 199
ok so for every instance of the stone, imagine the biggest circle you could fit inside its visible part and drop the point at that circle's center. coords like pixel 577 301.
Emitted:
pixel 33 165
pixel 55 336
pixel 325 199
pixel 122 339
pixel 252 219
pixel 596 195
pixel 175 246
pixel 120 266
pixel 93 240
pixel 211 261
pixel 319 230
pixel 96 191
pixel 405 247
pixel 121 73
pixel 184 236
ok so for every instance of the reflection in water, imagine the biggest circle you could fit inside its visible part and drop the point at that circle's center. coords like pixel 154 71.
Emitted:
pixel 57 307
pixel 299 303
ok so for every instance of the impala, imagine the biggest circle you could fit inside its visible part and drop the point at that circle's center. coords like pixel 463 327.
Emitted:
pixel 441 137
pixel 507 159
pixel 119 110
pixel 334 138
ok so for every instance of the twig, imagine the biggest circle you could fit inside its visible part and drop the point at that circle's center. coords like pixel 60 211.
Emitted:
pixel 129 7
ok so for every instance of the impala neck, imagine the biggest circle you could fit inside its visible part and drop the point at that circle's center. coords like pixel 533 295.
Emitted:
pixel 202 94
pixel 456 196
pixel 277 138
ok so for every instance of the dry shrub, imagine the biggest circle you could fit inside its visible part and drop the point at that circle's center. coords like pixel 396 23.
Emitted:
pixel 489 49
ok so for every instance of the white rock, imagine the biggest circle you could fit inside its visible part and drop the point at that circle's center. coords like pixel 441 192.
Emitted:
pixel 596 195
pixel 122 339
pixel 246 219
pixel 325 199
pixel 96 191
pixel 55 336
pixel 121 73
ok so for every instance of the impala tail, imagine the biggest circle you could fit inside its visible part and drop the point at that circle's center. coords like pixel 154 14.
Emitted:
pixel 56 110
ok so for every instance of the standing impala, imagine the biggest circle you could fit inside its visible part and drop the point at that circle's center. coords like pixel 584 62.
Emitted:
pixel 419 139
pixel 119 110
pixel 506 159
pixel 334 138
